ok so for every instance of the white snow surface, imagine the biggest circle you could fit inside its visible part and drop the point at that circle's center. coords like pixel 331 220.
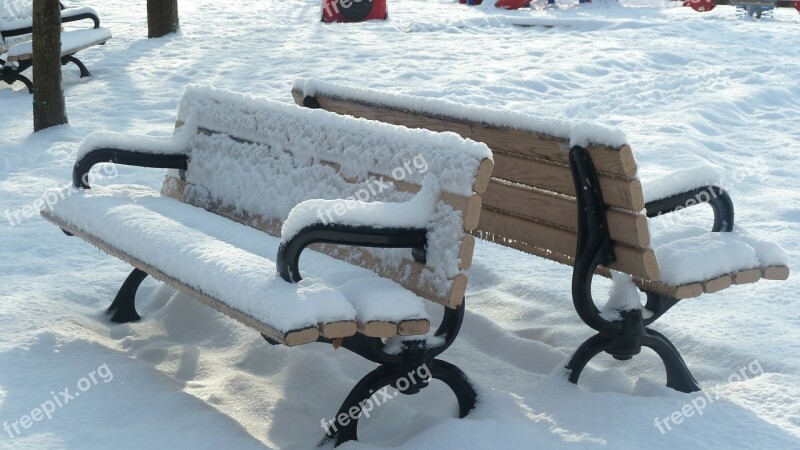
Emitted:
pixel 688 89
pixel 71 42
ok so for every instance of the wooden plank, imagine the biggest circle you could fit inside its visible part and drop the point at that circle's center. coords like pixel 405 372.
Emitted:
pixel 747 276
pixel 339 329
pixel 378 328
pixel 290 338
pixel 494 224
pixel 562 211
pixel 467 250
pixel 415 327
pixel 775 273
pixel 717 284
pixel 407 273
pixel 485 169
pixel 612 161
pixel 623 193
pixel 681 292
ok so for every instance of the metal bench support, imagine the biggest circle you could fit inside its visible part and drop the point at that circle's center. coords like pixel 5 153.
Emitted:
pixel 624 338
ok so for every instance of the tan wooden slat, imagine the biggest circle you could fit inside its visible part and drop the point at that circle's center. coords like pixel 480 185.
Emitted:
pixel 410 279
pixel 378 328
pixel 775 273
pixel 717 284
pixel 483 176
pixel 620 192
pixel 635 261
pixel 562 211
pixel 290 338
pixel 612 161
pixel 415 327
pixel 467 250
pixel 681 292
pixel 747 276
pixel 339 329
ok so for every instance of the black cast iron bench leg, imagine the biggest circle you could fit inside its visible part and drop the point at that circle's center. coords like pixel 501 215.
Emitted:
pixel 72 59
pixel 624 338
pixel 11 74
pixel 123 308
pixel 394 368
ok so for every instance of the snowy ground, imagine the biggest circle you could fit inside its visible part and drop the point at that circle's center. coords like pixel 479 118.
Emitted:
pixel 687 88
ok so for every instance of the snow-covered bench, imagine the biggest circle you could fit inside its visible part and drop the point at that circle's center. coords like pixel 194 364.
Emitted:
pixel 252 183
pixel 16 45
pixel 570 193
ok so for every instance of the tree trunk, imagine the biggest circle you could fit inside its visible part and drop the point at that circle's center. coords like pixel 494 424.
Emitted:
pixel 49 108
pixel 162 17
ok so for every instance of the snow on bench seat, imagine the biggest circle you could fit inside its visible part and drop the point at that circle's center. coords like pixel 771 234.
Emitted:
pixel 231 267
pixel 71 42
pixel 689 255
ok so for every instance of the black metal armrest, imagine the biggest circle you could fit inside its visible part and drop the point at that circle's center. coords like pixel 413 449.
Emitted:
pixel 69 17
pixel 715 196
pixel 77 17
pixel 80 172
pixel 288 260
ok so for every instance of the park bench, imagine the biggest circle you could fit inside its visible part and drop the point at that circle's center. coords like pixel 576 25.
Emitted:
pixel 570 194
pixel 251 183
pixel 16 34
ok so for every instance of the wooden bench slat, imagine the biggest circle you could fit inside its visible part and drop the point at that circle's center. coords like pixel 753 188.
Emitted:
pixel 339 329
pixel 612 161
pixel 413 327
pixel 620 192
pixel 635 261
pixel 747 276
pixel 562 211
pixel 378 328
pixel 775 273
pixel 717 284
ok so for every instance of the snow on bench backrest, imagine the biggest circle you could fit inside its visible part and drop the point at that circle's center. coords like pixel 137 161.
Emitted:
pixel 255 160
pixel 14 14
pixel 530 202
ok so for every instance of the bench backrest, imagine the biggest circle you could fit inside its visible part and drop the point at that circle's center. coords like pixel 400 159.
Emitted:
pixel 253 160
pixel 530 202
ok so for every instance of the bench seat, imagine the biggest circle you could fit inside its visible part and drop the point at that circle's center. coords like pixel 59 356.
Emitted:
pixel 231 267
pixel 71 43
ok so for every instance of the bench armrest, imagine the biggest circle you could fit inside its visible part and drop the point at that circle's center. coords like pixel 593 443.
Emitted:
pixel 76 14
pixel 715 196
pixel 131 150
pixel 25 26
pixel 288 259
